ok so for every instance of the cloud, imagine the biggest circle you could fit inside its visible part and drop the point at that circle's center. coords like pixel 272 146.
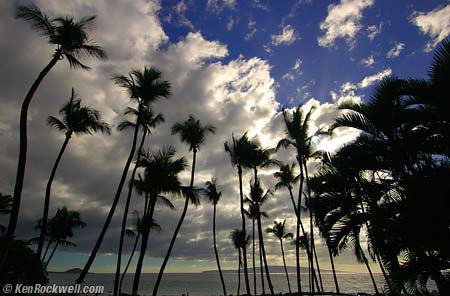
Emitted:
pixel 368 61
pixel 231 23
pixel 217 6
pixel 286 36
pixel 395 51
pixel 295 70
pixel 251 28
pixel 374 30
pixel 343 21
pixel 435 24
pixel 369 80
pixel 180 9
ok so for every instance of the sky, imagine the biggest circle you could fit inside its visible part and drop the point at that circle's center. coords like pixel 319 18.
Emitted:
pixel 233 64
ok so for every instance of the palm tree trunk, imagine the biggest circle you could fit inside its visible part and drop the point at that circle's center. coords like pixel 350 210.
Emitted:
pixel 261 267
pixel 51 254
pixel 217 254
pixel 369 269
pixel 125 216
pixel 386 278
pixel 113 206
pixel 144 243
pixel 177 229
pixel 285 268
pixel 298 222
pixel 46 250
pixel 292 199
pixel 129 262
pixel 318 268
pixel 48 190
pixel 312 275
pixel 266 266
pixel 244 251
pixel 253 257
pixel 332 268
pixel 239 272
pixel 12 224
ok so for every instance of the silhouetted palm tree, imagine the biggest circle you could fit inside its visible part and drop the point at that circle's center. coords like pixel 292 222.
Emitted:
pixel 193 133
pixel 240 151
pixel 5 208
pixel 160 177
pixel 280 233
pixel 240 242
pixel 78 120
pixel 144 87
pixel 71 39
pixel 214 197
pixel 257 198
pixel 148 120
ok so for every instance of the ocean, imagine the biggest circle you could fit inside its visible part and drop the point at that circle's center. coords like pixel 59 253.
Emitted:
pixel 208 284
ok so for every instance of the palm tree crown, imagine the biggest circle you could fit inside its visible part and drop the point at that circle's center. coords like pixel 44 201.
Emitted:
pixel 286 176
pixel 278 229
pixel 192 132
pixel 240 151
pixel 211 191
pixel 71 36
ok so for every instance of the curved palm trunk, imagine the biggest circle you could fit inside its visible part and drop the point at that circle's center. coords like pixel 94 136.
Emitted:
pixel 129 262
pixel 239 272
pixel 297 228
pixel 285 268
pixel 177 229
pixel 46 250
pixel 144 244
pixel 217 254
pixel 253 257
pixel 266 266
pixel 113 207
pixel 383 271
pixel 366 262
pixel 125 216
pixel 261 268
pixel 51 254
pixel 244 251
pixel 312 275
pixel 48 190
pixel 333 269
pixel 12 224
pixel 318 268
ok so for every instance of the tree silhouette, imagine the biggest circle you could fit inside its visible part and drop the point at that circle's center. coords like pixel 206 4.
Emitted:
pixel 240 242
pixel 78 120
pixel 71 40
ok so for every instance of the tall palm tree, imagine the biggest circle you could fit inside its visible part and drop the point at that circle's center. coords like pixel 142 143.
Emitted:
pixel 298 137
pixel 144 87
pixel 257 198
pixel 193 133
pixel 148 120
pixel 71 40
pixel 160 177
pixel 135 232
pixel 78 120
pixel 214 197
pixel 279 231
pixel 240 242
pixel 240 151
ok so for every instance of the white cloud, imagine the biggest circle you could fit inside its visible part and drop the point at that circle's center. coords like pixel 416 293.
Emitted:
pixel 343 21
pixel 286 36
pixel 218 5
pixel 395 51
pixel 295 70
pixel 374 30
pixel 435 24
pixel 298 63
pixel 180 9
pixel 369 80
pixel 231 23
pixel 368 61
pixel 252 30
pixel 288 76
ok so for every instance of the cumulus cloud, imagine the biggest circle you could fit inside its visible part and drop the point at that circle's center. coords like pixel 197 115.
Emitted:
pixel 395 51
pixel 435 24
pixel 217 6
pixel 368 61
pixel 373 31
pixel 286 36
pixel 295 70
pixel 369 80
pixel 343 21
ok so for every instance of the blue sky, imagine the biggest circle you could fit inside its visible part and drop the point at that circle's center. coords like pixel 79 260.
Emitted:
pixel 233 64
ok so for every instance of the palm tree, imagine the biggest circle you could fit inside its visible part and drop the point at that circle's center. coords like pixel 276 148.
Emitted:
pixel 193 133
pixel 71 39
pixel 148 120
pixel 280 233
pixel 240 242
pixel 257 198
pixel 135 232
pixel 144 87
pixel 214 197
pixel 78 120
pixel 60 227
pixel 5 208
pixel 160 177
pixel 240 151
pixel 299 138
